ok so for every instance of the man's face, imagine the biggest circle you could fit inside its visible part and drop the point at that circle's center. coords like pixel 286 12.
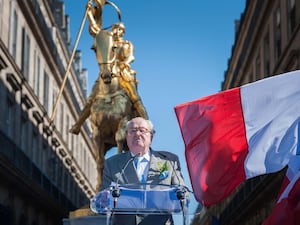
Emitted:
pixel 138 136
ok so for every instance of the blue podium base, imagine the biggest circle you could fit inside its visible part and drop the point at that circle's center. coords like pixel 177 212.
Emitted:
pixel 86 220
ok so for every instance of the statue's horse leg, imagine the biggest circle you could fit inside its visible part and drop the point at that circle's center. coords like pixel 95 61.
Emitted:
pixel 120 135
pixel 99 148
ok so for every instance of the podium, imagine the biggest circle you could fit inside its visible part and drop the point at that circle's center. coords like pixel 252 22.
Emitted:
pixel 138 198
pixel 135 199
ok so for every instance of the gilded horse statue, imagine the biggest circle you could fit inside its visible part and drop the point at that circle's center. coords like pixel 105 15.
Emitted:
pixel 114 99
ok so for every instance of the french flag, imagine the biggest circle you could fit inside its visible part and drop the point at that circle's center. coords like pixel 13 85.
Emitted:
pixel 240 133
pixel 287 207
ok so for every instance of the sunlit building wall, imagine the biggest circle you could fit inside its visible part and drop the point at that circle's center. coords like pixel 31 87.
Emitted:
pixel 45 171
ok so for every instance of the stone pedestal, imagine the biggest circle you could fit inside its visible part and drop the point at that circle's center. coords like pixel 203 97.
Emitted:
pixel 84 211
pixel 87 220
pixel 84 216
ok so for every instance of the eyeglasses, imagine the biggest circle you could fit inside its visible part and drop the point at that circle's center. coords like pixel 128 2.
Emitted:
pixel 142 130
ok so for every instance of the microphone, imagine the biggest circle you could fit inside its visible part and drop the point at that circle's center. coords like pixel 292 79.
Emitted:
pixel 116 190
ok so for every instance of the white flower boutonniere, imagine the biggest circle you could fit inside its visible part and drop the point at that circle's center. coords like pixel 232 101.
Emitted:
pixel 163 170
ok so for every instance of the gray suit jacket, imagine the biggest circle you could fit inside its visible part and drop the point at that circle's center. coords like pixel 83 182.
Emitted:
pixel 113 173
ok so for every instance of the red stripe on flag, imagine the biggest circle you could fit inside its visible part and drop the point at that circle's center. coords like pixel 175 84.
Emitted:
pixel 215 144
pixel 287 211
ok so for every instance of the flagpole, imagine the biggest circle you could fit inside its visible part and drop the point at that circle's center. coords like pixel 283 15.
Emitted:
pixel 68 68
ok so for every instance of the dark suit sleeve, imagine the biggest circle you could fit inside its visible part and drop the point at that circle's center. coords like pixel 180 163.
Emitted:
pixel 106 180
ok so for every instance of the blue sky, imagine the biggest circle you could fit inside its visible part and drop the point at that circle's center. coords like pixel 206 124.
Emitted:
pixel 181 51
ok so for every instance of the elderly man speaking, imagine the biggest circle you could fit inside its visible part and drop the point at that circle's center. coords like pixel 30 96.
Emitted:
pixel 149 166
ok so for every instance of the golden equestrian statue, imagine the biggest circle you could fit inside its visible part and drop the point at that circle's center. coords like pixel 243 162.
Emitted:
pixel 114 99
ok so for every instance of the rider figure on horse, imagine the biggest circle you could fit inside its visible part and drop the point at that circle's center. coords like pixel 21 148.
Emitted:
pixel 123 56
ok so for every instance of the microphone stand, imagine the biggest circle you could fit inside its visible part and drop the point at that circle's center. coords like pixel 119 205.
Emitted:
pixel 116 191
pixel 116 194
pixel 180 193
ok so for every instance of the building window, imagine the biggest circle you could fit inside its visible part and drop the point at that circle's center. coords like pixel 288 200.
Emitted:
pixel 37 75
pixel 25 54
pixel 72 191
pixel 45 157
pixel 291 16
pixel 24 134
pixel 267 55
pixel 76 143
pixel 277 34
pixel 61 119
pixel 36 149
pixel 77 150
pixel 60 170
pixel 84 161
pixel 54 99
pixel 66 183
pixel 46 91
pixel 72 143
pixel 13 31
pixel 67 134
pixel 1 13
pixel 52 167
pixel 10 118
pixel 90 167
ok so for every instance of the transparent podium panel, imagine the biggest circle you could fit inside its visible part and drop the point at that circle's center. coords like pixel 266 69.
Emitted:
pixel 137 198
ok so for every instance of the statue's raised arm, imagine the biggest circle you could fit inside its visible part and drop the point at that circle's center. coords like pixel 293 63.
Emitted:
pixel 94 15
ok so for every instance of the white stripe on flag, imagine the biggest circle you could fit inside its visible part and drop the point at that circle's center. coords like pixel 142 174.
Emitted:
pixel 271 109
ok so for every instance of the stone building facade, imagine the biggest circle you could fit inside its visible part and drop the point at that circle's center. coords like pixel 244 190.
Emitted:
pixel 45 171
pixel 267 43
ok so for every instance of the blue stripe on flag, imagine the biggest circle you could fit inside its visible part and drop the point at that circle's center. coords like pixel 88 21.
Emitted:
pixel 298 141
